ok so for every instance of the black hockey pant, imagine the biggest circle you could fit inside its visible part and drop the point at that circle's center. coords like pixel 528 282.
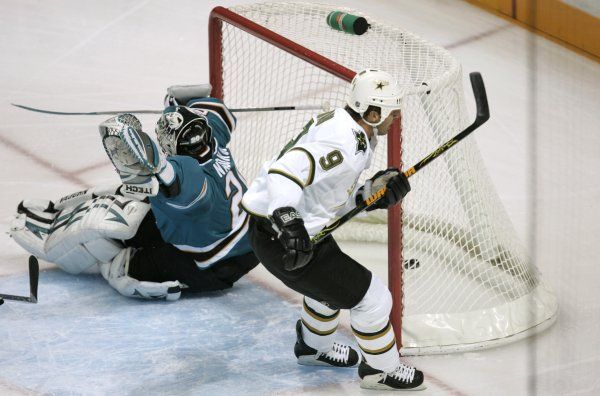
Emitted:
pixel 331 277
pixel 158 261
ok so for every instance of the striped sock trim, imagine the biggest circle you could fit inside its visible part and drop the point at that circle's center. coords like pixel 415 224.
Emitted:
pixel 372 336
pixel 318 332
pixel 378 351
pixel 318 316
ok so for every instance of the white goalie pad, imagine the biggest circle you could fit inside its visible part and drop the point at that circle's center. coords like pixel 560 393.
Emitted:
pixel 80 197
pixel 89 233
pixel 79 236
pixel 32 224
pixel 116 273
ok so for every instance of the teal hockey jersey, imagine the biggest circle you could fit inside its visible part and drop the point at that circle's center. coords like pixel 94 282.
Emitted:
pixel 205 219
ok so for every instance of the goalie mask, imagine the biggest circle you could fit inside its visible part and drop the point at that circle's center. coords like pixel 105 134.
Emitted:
pixel 184 131
pixel 377 88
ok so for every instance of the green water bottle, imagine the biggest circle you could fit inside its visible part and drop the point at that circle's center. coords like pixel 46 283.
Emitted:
pixel 348 23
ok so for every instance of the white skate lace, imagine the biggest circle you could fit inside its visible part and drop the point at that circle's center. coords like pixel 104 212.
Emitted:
pixel 403 373
pixel 338 353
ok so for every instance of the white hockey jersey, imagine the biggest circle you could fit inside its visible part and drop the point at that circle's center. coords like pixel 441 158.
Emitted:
pixel 317 173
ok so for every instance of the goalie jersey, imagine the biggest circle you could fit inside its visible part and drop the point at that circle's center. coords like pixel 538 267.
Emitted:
pixel 205 219
pixel 316 173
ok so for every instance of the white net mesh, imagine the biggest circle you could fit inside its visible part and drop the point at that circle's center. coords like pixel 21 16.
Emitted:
pixel 473 281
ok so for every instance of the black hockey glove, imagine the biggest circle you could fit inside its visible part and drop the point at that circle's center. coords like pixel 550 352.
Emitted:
pixel 293 236
pixel 397 187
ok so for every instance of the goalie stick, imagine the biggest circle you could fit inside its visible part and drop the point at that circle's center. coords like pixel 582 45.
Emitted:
pixel 483 114
pixel 34 275
pixel 111 112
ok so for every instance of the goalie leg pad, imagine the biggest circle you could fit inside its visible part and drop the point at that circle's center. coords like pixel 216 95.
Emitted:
pixel 89 233
pixel 32 224
pixel 117 274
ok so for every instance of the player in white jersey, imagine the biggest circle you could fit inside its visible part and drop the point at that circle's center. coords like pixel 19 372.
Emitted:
pixel 312 182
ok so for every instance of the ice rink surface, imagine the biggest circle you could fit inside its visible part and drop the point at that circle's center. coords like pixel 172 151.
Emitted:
pixel 83 338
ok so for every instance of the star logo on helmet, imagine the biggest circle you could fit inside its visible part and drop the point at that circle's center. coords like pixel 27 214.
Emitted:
pixel 380 84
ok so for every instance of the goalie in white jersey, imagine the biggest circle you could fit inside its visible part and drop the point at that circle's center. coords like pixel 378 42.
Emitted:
pixel 312 182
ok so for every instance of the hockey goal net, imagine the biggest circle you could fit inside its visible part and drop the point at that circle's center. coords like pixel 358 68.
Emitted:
pixel 467 282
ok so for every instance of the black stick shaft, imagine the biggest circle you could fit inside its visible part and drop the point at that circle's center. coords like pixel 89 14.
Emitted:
pixel 111 112
pixel 483 114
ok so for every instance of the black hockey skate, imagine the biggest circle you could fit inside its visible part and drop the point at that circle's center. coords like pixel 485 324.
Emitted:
pixel 402 378
pixel 339 356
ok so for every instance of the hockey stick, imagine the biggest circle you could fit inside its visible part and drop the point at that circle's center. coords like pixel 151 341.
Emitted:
pixel 34 276
pixel 483 114
pixel 110 112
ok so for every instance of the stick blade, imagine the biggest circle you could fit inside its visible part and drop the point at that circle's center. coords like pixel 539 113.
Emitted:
pixel 34 276
pixel 483 110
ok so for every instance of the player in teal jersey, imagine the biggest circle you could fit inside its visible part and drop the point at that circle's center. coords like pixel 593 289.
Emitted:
pixel 193 237
pixel 197 211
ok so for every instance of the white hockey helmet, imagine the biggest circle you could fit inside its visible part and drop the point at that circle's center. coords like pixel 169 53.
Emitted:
pixel 372 87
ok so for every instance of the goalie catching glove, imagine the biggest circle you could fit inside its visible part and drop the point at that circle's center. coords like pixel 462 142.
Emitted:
pixel 397 188
pixel 141 165
pixel 289 226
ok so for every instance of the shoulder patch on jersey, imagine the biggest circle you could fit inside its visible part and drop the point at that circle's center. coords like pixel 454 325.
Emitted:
pixel 361 141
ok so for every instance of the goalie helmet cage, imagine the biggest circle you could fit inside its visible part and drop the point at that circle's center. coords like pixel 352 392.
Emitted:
pixel 472 285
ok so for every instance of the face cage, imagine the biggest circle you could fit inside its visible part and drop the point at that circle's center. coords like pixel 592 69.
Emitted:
pixel 193 148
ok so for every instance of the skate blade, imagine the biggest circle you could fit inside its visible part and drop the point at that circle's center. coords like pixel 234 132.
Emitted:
pixel 372 382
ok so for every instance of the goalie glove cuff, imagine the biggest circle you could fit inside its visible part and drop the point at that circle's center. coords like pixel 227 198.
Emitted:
pixel 167 175
pixel 180 95
pixel 141 190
